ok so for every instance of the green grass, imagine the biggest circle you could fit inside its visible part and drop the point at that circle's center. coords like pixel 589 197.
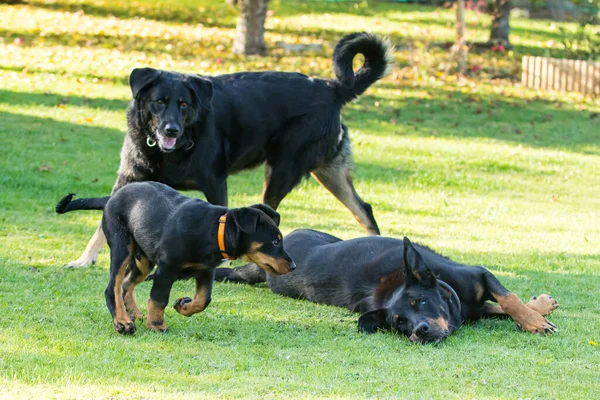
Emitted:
pixel 485 172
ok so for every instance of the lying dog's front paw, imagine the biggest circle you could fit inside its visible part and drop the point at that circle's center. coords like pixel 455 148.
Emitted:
pixel 538 325
pixel 124 327
pixel 544 304
pixel 181 306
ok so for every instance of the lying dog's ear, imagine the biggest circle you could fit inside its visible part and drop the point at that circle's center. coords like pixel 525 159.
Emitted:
pixel 274 215
pixel 373 321
pixel 141 78
pixel 416 269
pixel 203 91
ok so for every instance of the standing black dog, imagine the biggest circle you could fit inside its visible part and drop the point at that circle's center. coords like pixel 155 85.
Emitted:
pixel 148 223
pixel 397 286
pixel 191 132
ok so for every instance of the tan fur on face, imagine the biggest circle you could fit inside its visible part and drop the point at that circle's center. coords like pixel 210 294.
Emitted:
pixel 441 322
pixel 278 265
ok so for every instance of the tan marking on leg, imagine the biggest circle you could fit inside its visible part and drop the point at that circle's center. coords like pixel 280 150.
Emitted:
pixel 268 171
pixel 156 317
pixel 341 187
pixel 121 315
pixel 274 266
pixel 198 303
pixel 479 291
pixel 526 318
pixel 129 285
pixel 90 254
pixel 544 304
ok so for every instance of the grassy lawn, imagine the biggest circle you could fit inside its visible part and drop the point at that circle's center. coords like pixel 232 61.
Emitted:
pixel 484 172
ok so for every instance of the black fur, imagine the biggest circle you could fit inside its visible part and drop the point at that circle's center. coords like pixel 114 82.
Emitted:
pixel 204 129
pixel 148 224
pixel 395 284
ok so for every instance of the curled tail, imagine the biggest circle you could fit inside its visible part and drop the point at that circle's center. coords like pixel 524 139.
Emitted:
pixel 67 203
pixel 249 274
pixel 379 57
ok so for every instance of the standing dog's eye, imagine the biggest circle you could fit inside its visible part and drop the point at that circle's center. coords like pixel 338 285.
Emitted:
pixel 276 242
pixel 160 101
pixel 183 105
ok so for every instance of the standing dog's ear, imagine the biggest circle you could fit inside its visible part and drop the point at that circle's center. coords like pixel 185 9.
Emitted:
pixel 373 321
pixel 245 219
pixel 416 269
pixel 203 91
pixel 274 215
pixel 141 78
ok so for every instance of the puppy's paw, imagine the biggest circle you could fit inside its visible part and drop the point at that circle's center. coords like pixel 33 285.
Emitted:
pixel 156 326
pixel 181 306
pixel 135 314
pixel 124 327
pixel 543 304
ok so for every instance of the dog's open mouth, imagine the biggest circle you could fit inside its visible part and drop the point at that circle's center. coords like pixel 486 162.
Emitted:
pixel 165 142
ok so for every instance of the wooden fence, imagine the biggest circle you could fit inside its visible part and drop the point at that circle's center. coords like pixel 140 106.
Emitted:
pixel 562 75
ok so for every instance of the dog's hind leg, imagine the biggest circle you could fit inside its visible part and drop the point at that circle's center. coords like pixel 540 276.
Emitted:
pixel 525 317
pixel 204 283
pixel 120 254
pixel 138 272
pixel 335 177
pixel 279 181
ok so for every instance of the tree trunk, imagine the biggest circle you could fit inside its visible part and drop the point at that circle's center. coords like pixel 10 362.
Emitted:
pixel 459 47
pixel 250 30
pixel 500 11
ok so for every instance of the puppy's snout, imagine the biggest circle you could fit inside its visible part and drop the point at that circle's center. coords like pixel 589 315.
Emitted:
pixel 292 265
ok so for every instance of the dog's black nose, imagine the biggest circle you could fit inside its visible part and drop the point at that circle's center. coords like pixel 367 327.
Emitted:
pixel 292 265
pixel 422 329
pixel 172 129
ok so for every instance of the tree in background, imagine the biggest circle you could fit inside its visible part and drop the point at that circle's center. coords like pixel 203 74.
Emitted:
pixel 250 30
pixel 500 12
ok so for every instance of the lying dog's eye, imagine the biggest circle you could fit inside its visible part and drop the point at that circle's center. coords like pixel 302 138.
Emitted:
pixel 423 302
pixel 276 242
pixel 160 101
pixel 183 105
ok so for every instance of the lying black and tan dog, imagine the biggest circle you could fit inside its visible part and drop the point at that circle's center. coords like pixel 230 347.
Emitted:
pixel 150 224
pixel 396 285
pixel 192 131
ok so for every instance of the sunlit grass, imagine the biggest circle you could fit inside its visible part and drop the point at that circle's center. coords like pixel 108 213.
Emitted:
pixel 483 171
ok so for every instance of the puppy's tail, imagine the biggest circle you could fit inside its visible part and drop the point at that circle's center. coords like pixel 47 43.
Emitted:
pixel 67 203
pixel 249 274
pixel 379 57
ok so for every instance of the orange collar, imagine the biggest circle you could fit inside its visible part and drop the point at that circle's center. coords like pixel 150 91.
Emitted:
pixel 221 238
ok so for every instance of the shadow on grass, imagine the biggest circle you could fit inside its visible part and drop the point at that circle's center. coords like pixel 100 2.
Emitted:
pixel 53 100
pixel 536 122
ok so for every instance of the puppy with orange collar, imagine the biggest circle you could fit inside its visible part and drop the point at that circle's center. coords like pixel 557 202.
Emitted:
pixel 148 224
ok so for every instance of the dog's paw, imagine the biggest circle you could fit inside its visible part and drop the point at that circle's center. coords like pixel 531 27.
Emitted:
pixel 156 326
pixel 543 304
pixel 535 323
pixel 135 314
pixel 181 306
pixel 124 327
pixel 81 262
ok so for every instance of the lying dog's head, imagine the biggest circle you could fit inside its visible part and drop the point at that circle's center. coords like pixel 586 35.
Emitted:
pixel 415 303
pixel 259 239
pixel 169 103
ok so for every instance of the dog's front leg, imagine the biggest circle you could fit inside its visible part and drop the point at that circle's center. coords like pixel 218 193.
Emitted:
pixel 204 283
pixel 159 298
pixel 216 192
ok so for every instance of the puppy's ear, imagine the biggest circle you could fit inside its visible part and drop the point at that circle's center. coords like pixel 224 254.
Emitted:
pixel 202 89
pixel 274 215
pixel 245 219
pixel 417 271
pixel 374 321
pixel 141 78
